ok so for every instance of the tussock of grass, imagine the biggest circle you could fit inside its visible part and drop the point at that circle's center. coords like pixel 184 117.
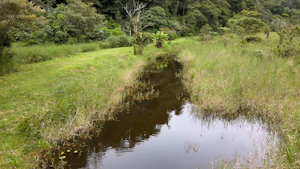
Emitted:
pixel 229 79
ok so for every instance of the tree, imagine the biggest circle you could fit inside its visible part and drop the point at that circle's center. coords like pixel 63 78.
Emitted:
pixel 47 5
pixel 212 12
pixel 77 20
pixel 135 10
pixel 155 17
pixel 9 17
pixel 247 22
pixel 281 25
pixel 32 28
pixel 195 19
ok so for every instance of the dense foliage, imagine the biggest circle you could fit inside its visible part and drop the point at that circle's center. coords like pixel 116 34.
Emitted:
pixel 75 21
pixel 64 21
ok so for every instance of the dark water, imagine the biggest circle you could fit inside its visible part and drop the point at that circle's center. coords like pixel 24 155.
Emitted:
pixel 166 133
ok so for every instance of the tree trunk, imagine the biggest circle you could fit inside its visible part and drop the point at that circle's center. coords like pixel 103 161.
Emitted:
pixel 158 44
pixel 176 8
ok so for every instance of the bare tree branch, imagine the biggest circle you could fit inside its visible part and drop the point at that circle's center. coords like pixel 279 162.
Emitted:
pixel 135 11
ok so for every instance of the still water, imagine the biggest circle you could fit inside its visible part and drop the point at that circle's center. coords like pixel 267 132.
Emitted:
pixel 168 133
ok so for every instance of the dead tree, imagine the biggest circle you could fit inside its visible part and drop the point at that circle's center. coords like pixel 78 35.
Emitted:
pixel 135 11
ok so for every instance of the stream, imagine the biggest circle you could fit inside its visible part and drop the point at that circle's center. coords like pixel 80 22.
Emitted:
pixel 169 133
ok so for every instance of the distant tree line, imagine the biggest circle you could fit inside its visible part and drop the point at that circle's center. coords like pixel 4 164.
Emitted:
pixel 76 21
pixel 71 21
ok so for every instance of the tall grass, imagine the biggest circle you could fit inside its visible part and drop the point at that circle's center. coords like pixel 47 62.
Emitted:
pixel 44 52
pixel 247 79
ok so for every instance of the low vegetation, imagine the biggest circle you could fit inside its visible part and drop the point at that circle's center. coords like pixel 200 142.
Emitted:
pixel 250 80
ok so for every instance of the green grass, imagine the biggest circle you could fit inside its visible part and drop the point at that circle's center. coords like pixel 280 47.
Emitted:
pixel 49 101
pixel 44 52
pixel 250 78
pixel 44 103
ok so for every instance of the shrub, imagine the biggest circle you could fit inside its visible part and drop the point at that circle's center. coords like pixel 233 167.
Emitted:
pixel 259 54
pixel 116 42
pixel 141 40
pixel 104 45
pixel 223 30
pixel 172 34
pixel 88 48
pixel 31 42
pixel 72 40
pixel 160 38
pixel 106 32
pixel 166 29
pixel 297 59
pixel 250 39
pixel 33 57
pixel 206 32
pixel 289 45
pixel 6 61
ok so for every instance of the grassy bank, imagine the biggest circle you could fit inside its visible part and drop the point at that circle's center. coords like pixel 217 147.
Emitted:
pixel 55 100
pixel 247 79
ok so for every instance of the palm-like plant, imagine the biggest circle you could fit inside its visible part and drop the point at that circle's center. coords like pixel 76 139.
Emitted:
pixel 160 38
pixel 140 40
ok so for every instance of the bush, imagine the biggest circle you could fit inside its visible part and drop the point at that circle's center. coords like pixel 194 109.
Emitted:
pixel 289 45
pixel 160 38
pixel 37 57
pixel 206 32
pixel 250 39
pixel 116 42
pixel 172 34
pixel 31 43
pixel 259 54
pixel 140 41
pixel 287 50
pixel 6 61
pixel 106 32
pixel 223 30
pixel 88 48
pixel 104 45
pixel 166 29
pixel 297 60
pixel 72 40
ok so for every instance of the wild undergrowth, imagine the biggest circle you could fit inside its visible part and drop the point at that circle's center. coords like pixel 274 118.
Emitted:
pixel 248 79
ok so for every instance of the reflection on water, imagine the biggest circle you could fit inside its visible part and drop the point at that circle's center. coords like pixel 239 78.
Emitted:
pixel 166 133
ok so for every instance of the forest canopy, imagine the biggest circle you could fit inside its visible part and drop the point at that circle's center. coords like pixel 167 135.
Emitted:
pixel 72 21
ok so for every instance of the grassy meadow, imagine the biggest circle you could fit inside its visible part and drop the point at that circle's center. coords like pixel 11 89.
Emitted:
pixel 44 103
pixel 231 79
pixel 47 102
